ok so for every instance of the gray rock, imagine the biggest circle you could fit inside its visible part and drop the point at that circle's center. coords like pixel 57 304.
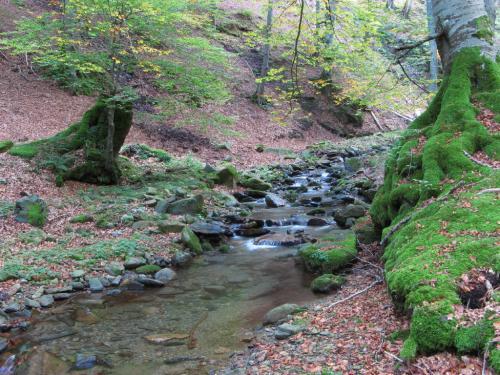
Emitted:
pixel 12 308
pixel 116 281
pixel 114 268
pixel 77 285
pixel 351 211
pixel 46 300
pixel 227 176
pixel 255 183
pixel 287 330
pixel 105 282
pixel 85 362
pixel 61 296
pixel 169 226
pixel 317 222
pixel 26 206
pixel 210 229
pixel 4 343
pixel 76 274
pixel 181 207
pixel 147 281
pixel 182 259
pixel 113 292
pixel 63 289
pixel 165 275
pixel 191 241
pixel 95 285
pixel 280 312
pixel 274 201
pixel 32 304
pixel 134 262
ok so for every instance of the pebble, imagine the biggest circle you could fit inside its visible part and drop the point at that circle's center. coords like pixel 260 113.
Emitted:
pixel 85 362
pixel 46 300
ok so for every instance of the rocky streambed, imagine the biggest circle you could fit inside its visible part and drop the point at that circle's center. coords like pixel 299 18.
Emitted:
pixel 204 313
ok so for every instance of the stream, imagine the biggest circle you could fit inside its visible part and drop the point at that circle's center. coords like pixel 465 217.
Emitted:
pixel 203 316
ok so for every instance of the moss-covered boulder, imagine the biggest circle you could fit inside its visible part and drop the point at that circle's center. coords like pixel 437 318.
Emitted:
pixel 365 231
pixel 191 240
pixel 326 283
pixel 31 209
pixel 329 254
pixel 254 183
pixel 187 206
pixel 351 211
pixel 148 269
pixel 227 176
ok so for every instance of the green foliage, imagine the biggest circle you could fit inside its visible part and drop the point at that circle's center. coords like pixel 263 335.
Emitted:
pixel 5 145
pixel 409 350
pixel 475 339
pixel 148 269
pixel 81 218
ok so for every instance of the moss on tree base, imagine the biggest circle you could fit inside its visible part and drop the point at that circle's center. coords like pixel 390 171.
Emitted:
pixel 452 227
pixel 79 152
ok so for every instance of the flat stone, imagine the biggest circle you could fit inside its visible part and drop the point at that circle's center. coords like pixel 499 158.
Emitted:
pixel 95 285
pixel 134 262
pixel 280 312
pixel 146 281
pixel 12 308
pixel 46 300
pixel 211 229
pixel 165 275
pixel 63 289
pixel 85 362
pixel 274 201
pixel 32 304
pixel 76 274
pixel 61 296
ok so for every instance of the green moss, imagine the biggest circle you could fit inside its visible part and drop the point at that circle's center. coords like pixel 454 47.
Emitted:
pixel 495 360
pixel 474 339
pixel 485 29
pixel 26 151
pixel 148 269
pixel 5 146
pixel 81 218
pixel 409 350
pixel 326 283
pixel 328 256
pixel 37 215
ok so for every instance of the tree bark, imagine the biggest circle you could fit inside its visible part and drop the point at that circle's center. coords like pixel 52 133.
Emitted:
pixel 390 4
pixel 434 67
pixel 266 52
pixel 407 8
pixel 464 24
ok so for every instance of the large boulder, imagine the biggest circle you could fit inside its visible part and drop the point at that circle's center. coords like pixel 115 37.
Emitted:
pixel 31 209
pixel 351 211
pixel 191 240
pixel 189 206
pixel 255 183
pixel 327 283
pixel 365 231
pixel 227 176
pixel 280 312
pixel 274 201
pixel 213 229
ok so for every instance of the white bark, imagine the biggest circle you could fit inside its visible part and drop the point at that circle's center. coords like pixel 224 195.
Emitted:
pixel 434 68
pixel 458 20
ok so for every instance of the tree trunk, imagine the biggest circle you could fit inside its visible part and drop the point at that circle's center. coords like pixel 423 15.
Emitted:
pixel 464 24
pixel 407 8
pixel 390 4
pixel 266 52
pixel 434 67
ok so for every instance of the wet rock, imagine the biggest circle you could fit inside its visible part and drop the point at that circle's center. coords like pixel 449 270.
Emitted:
pixel 12 308
pixel 279 313
pixel 227 176
pixel 77 285
pixel 31 209
pixel 113 292
pixel 257 194
pixel 252 232
pixel 165 275
pixel 217 290
pixel 182 207
pixel 134 262
pixel 274 201
pixel 116 281
pixel 147 281
pixel 279 239
pixel 316 211
pixel 317 222
pixel 4 343
pixel 243 198
pixel 61 296
pixel 85 362
pixel 211 229
pixel 46 300
pixel 62 289
pixel 95 285
pixel 287 330
pixel 255 183
pixel 182 259
pixel 326 283
pixel 351 211
pixel 32 304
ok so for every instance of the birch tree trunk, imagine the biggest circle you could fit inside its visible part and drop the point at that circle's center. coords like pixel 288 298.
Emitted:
pixel 464 24
pixel 434 68
pixel 407 8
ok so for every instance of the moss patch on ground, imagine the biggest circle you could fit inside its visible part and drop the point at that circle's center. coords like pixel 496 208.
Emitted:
pixel 451 225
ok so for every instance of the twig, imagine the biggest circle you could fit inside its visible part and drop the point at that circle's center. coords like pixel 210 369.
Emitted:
pixel 419 43
pixel 377 122
pixel 403 116
pixel 375 283
pixel 371 264
pixel 486 191
pixel 402 361
pixel 424 89
pixel 477 161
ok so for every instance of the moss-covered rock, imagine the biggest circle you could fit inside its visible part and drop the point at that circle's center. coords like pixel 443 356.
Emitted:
pixel 191 240
pixel 31 209
pixel 329 255
pixel 254 183
pixel 326 283
pixel 81 218
pixel 227 175
pixel 5 146
pixel 476 338
pixel 148 269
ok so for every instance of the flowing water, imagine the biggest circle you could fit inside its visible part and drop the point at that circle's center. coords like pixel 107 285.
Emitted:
pixel 203 316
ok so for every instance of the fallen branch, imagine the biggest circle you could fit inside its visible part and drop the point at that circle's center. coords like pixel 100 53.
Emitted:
pixel 402 361
pixel 403 116
pixel 377 122
pixel 424 89
pixel 375 283
pixel 487 191
pixel 418 43
pixel 477 161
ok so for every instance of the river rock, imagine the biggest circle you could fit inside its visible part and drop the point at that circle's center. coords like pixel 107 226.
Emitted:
pixel 327 283
pixel 182 259
pixel 85 362
pixel 287 330
pixel 351 211
pixel 77 285
pixel 134 262
pixel 46 300
pixel 165 275
pixel 61 296
pixel 274 201
pixel 76 274
pixel 95 285
pixel 227 176
pixel 115 268
pixel 185 206
pixel 62 289
pixel 191 241
pixel 32 304
pixel 31 209
pixel 4 343
pixel 279 313
pixel 255 183
pixel 170 226
pixel 211 229
pixel 147 281
pixel 317 222
pixel 252 232
pixel 279 239
pixel 12 308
